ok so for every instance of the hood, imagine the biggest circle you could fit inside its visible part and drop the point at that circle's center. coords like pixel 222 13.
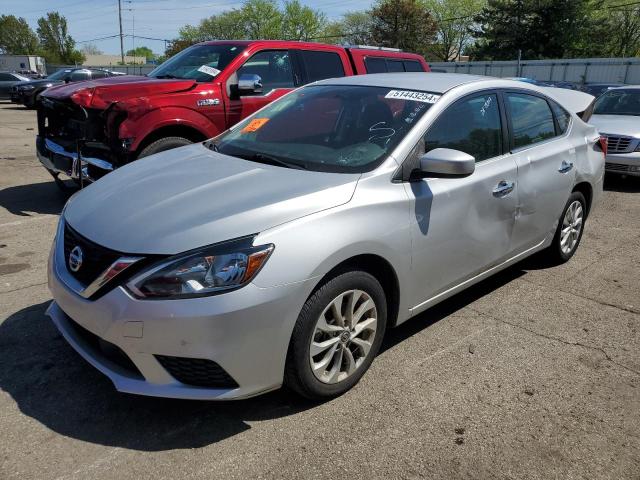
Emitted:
pixel 113 89
pixel 39 82
pixel 190 197
pixel 628 125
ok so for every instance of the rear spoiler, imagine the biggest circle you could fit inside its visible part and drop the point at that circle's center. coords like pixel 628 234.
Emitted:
pixel 577 102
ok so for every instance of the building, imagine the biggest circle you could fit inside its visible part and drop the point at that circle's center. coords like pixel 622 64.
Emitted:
pixel 23 63
pixel 111 60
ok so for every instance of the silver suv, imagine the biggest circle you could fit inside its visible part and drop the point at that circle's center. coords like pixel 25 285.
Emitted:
pixel 282 250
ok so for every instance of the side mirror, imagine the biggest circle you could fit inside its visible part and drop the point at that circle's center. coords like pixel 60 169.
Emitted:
pixel 447 163
pixel 249 83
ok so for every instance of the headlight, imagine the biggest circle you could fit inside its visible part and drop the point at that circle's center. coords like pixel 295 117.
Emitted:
pixel 202 272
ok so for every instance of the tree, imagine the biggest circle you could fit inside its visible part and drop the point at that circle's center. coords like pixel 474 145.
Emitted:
pixel 404 24
pixel 56 43
pixel 300 22
pixel 454 20
pixel 539 28
pixel 16 37
pixel 90 49
pixel 141 51
pixel 176 46
pixel 353 28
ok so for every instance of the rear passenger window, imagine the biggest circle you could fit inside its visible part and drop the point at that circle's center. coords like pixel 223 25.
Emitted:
pixel 562 117
pixel 321 65
pixel 98 74
pixel 412 66
pixel 375 65
pixel 79 75
pixel 395 66
pixel 531 119
pixel 471 125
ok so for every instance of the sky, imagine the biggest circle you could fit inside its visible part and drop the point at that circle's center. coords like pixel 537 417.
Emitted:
pixel 90 19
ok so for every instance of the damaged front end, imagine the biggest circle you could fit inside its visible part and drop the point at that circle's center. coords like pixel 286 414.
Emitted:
pixel 77 141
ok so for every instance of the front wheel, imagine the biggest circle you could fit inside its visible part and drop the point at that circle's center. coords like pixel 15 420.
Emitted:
pixel 569 231
pixel 163 144
pixel 337 335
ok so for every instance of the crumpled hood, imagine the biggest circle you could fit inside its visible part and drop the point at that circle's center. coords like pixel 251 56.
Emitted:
pixel 628 125
pixel 112 89
pixel 190 197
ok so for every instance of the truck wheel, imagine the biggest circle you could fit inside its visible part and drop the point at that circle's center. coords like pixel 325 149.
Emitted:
pixel 163 144
pixel 337 335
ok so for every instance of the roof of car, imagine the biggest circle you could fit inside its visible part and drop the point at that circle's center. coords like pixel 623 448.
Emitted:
pixel 425 81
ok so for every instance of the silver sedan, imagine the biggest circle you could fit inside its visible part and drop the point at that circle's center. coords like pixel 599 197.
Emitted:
pixel 282 251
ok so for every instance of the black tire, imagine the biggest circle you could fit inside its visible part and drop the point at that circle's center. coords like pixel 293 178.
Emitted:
pixel 163 144
pixel 554 254
pixel 298 373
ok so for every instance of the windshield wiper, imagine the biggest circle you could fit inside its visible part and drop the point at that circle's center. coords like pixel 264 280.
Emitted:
pixel 270 160
pixel 167 75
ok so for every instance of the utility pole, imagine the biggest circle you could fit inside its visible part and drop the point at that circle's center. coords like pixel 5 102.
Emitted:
pixel 121 36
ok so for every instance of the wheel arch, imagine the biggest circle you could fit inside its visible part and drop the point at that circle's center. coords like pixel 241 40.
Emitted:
pixel 174 130
pixel 378 267
pixel 586 190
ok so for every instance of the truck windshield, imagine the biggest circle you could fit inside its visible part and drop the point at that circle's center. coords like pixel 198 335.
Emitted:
pixel 200 63
pixel 332 128
pixel 619 101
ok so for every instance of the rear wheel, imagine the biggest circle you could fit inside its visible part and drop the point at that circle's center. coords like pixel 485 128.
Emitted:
pixel 337 335
pixel 569 231
pixel 163 144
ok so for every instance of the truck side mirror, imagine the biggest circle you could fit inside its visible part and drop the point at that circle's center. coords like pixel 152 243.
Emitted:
pixel 249 83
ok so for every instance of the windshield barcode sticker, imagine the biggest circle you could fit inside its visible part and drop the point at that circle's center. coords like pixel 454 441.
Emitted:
pixel 411 95
pixel 209 70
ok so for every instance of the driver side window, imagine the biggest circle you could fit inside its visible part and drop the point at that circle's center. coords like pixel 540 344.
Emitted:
pixel 273 67
pixel 471 125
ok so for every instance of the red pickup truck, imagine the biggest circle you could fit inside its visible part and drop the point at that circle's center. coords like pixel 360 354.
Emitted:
pixel 89 128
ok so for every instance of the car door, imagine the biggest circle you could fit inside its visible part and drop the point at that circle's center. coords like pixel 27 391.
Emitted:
pixel 276 72
pixel 6 82
pixel 545 156
pixel 463 226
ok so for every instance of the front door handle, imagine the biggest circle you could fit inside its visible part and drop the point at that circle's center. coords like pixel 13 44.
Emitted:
pixel 503 189
pixel 565 167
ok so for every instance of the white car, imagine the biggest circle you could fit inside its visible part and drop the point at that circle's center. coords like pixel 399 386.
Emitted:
pixel 616 114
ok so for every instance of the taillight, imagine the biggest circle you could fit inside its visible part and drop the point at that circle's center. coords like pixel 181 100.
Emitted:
pixel 603 144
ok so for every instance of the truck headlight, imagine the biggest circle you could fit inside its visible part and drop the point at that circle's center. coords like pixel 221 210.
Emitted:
pixel 201 272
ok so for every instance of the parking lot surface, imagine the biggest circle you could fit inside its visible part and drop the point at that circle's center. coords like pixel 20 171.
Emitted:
pixel 534 373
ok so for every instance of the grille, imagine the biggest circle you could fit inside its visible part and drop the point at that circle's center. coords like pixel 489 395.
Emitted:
pixel 616 167
pixel 197 371
pixel 95 259
pixel 618 144
pixel 105 349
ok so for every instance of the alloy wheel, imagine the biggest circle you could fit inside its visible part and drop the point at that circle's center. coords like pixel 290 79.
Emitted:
pixel 571 227
pixel 343 336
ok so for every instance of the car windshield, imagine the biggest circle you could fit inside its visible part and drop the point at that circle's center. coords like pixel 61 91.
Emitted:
pixel 200 63
pixel 59 75
pixel 330 128
pixel 618 102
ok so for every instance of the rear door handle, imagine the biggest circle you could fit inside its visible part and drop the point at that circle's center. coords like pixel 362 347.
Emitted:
pixel 565 167
pixel 503 188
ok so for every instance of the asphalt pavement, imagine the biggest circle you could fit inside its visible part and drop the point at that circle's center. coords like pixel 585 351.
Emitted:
pixel 534 373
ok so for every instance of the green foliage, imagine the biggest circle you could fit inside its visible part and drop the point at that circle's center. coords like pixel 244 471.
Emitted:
pixel 555 29
pixel 258 19
pixel 354 28
pixel 454 20
pixel 90 49
pixel 141 51
pixel 16 37
pixel 404 24
pixel 56 44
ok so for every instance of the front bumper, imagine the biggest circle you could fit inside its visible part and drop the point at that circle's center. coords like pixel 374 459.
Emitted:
pixel 246 332
pixel 56 158
pixel 623 163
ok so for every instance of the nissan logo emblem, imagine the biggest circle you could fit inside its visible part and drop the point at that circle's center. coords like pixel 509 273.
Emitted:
pixel 75 259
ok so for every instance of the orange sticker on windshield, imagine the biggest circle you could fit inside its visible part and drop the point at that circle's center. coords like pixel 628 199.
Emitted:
pixel 254 125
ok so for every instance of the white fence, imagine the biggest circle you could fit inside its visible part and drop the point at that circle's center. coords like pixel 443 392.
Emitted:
pixel 581 70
